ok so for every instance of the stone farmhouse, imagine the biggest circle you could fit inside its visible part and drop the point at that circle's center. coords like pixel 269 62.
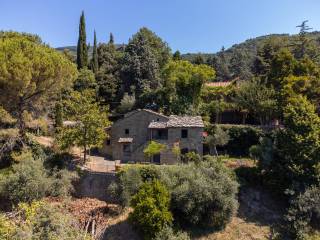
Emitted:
pixel 129 136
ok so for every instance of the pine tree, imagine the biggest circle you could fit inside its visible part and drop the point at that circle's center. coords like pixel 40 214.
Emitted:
pixel 303 42
pixel 82 48
pixel 95 65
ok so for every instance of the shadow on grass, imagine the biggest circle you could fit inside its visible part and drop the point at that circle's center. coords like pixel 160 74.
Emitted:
pixel 120 231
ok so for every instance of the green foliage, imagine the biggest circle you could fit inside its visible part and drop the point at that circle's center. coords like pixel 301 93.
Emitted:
pixel 95 64
pixel 249 175
pixel 58 115
pixel 7 228
pixel 40 220
pixel 90 119
pixel 258 99
pixel 30 75
pixel 127 103
pixel 191 157
pixel 153 148
pixel 296 162
pixel 241 138
pixel 238 65
pixel 108 74
pixel 29 180
pixel 303 215
pixel 85 80
pixel 5 117
pixel 26 36
pixel 143 59
pixel 82 48
pixel 183 85
pixel 202 194
pixel 167 233
pixel 151 209
pixel 176 56
pixel 219 137
pixel 264 152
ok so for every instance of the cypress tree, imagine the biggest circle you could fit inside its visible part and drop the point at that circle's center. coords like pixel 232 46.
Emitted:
pixel 111 39
pixel 82 48
pixel 95 55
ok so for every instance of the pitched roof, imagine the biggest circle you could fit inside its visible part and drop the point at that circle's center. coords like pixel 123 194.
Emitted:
pixel 185 121
pixel 145 110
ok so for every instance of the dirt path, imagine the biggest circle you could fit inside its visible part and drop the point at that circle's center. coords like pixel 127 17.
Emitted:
pixel 101 164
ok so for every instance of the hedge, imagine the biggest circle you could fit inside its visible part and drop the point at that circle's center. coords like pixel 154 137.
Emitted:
pixel 242 137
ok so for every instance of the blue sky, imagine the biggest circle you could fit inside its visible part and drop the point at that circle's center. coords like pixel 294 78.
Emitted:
pixel 187 25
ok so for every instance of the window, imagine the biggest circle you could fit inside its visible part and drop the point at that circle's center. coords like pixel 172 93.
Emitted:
pixel 156 158
pixel 108 142
pixel 126 148
pixel 126 131
pixel 184 133
pixel 160 134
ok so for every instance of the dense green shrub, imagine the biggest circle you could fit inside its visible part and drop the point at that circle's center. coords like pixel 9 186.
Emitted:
pixel 151 209
pixel 167 233
pixel 29 180
pixel 304 213
pixel 202 194
pixel 296 149
pixel 40 220
pixel 7 228
pixel 128 182
pixel 191 157
pixel 58 160
pixel 62 183
pixel 248 175
pixel 241 138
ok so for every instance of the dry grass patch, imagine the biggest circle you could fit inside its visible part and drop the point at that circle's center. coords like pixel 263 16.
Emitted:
pixel 239 229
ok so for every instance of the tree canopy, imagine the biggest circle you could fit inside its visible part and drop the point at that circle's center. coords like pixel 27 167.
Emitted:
pixel 31 74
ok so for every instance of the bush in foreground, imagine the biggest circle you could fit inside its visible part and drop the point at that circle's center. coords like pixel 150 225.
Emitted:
pixel 29 181
pixel 203 194
pixel 304 213
pixel 151 209
pixel 39 220
pixel 167 233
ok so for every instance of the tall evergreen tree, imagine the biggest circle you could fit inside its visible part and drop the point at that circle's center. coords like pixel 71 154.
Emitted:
pixel 144 57
pixel 82 48
pixel 223 72
pixel 111 39
pixel 108 75
pixel 199 59
pixel 95 65
pixel 176 56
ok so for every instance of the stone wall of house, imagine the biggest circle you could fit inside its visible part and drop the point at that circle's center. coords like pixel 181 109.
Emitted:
pixel 192 143
pixel 137 123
